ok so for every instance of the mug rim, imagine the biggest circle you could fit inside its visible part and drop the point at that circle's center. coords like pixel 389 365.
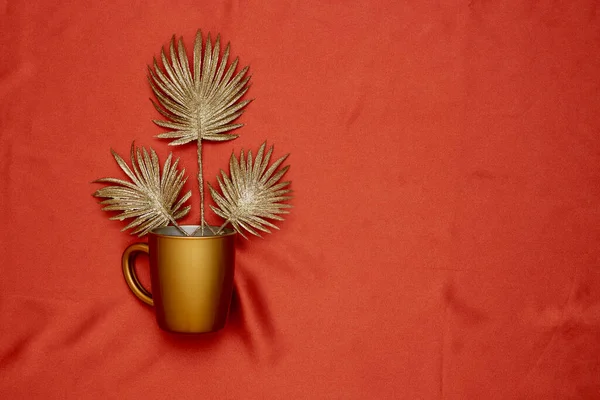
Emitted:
pixel 228 232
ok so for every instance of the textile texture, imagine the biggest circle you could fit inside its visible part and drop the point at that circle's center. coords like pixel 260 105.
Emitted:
pixel 444 236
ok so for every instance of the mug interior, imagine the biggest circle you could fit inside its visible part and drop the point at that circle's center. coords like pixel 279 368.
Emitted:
pixel 173 231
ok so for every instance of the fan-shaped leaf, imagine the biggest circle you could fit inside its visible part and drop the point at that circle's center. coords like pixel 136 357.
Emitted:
pixel 202 104
pixel 150 198
pixel 252 192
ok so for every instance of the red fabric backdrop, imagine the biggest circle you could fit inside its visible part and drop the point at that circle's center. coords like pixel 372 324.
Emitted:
pixel 444 241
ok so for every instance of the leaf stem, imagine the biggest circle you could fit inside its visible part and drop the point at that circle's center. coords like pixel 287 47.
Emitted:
pixel 222 227
pixel 176 225
pixel 201 189
pixel 201 184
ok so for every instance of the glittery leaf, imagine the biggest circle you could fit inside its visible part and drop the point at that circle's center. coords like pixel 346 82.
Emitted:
pixel 252 194
pixel 151 198
pixel 202 104
pixel 201 101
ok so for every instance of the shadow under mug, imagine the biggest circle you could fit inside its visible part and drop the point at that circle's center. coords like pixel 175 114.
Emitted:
pixel 191 277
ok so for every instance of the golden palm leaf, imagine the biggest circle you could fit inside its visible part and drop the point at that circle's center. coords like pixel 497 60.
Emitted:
pixel 150 198
pixel 253 193
pixel 202 104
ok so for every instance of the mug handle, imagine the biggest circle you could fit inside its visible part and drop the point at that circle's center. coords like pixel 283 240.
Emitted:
pixel 129 272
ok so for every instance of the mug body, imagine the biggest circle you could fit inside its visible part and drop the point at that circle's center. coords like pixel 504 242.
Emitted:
pixel 192 279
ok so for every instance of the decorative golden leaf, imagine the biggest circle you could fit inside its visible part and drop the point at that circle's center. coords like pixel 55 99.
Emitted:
pixel 149 197
pixel 201 105
pixel 253 193
pixel 198 105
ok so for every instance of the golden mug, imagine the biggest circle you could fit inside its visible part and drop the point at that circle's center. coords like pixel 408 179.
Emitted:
pixel 191 278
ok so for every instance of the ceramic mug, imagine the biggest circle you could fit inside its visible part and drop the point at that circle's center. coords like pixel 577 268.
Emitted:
pixel 191 278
